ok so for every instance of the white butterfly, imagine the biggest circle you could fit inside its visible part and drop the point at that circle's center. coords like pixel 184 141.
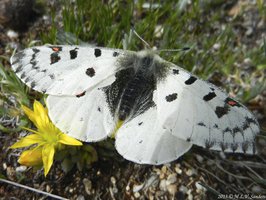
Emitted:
pixel 155 109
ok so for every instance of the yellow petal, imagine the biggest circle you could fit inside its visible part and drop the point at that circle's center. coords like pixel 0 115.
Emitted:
pixel 48 157
pixel 30 114
pixel 27 141
pixel 65 139
pixel 32 157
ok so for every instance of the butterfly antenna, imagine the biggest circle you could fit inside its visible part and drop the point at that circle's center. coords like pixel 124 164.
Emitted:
pixel 135 32
pixel 173 50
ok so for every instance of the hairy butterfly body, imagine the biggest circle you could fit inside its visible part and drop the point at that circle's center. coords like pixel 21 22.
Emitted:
pixel 155 109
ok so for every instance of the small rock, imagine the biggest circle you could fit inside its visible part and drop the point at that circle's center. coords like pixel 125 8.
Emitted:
pixel 113 180
pixel 80 197
pixel 21 169
pixel 249 32
pixel 183 189
pixel 163 185
pixel 48 188
pixel 127 188
pixel 171 179
pixel 199 186
pixel 4 166
pixel 172 189
pixel 137 195
pixel 216 46
pixel 12 34
pixel 199 158
pixel 88 185
pixel 137 188
pixel 189 195
pixel 256 189
pixel 189 172
pixel 177 169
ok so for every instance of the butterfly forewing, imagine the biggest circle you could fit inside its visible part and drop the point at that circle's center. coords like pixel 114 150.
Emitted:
pixel 200 113
pixel 65 70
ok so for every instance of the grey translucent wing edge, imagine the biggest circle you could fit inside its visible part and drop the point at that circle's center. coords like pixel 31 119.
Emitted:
pixel 46 68
pixel 223 110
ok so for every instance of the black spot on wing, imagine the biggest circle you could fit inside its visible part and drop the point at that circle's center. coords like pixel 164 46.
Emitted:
pixel 245 146
pixel 202 124
pixel 97 52
pixel 140 123
pixel 54 57
pixel 52 76
pixel 171 97
pixel 27 79
pixel 23 75
pixel 250 120
pixel 90 72
pixel 73 53
pixel 115 54
pixel 209 144
pixel 224 146
pixel 19 68
pixel 33 61
pixel 32 84
pixel 221 111
pixel 234 146
pixel 18 56
pixel 190 80
pixel 99 109
pixel 175 71
pixel 35 50
pixel 209 96
pixel 216 126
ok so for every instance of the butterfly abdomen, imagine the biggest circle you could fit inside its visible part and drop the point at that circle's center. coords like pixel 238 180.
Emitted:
pixel 134 89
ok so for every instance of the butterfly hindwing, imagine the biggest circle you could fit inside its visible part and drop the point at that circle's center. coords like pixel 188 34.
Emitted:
pixel 86 117
pixel 65 70
pixel 144 141
pixel 200 113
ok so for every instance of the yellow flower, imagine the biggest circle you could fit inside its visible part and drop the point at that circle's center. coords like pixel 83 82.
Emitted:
pixel 48 138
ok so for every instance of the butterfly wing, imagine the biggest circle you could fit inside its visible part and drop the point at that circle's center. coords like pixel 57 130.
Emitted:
pixel 65 70
pixel 144 141
pixel 200 113
pixel 86 117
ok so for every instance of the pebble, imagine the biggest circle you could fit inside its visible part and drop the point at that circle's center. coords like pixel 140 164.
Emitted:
pixel 189 195
pixel 21 168
pixel 137 195
pixel 183 189
pixel 12 34
pixel 216 46
pixel 127 188
pixel 172 189
pixel 256 189
pixel 171 179
pixel 48 188
pixel 199 186
pixel 249 31
pixel 80 197
pixel 88 185
pixel 163 185
pixel 189 172
pixel 199 158
pixel 137 188
pixel 177 169
pixel 113 180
